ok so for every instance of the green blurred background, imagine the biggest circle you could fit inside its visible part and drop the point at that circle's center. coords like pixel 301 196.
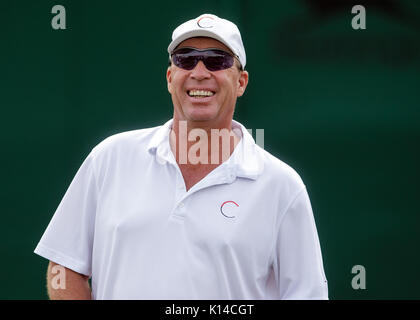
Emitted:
pixel 339 105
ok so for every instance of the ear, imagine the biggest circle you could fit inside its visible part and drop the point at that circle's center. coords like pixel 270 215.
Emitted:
pixel 242 83
pixel 169 78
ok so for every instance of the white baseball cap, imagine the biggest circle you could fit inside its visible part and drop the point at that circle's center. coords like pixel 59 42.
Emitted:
pixel 209 25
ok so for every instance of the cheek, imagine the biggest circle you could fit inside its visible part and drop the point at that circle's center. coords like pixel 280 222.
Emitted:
pixel 229 84
pixel 176 81
pixel 234 88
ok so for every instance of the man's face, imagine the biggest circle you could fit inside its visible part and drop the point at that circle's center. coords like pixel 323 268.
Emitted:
pixel 226 85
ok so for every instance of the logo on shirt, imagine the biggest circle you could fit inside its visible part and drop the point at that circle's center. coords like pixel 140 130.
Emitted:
pixel 228 208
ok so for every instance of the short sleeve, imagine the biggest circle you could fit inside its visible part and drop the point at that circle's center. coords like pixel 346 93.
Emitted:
pixel 298 265
pixel 68 239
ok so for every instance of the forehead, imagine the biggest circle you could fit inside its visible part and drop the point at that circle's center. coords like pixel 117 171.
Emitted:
pixel 202 43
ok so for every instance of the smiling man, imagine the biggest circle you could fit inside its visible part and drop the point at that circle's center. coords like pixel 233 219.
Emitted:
pixel 166 213
pixel 204 97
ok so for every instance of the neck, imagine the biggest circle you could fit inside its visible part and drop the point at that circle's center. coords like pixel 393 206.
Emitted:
pixel 196 144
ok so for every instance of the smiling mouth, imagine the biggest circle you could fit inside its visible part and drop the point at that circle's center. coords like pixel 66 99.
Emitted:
pixel 200 93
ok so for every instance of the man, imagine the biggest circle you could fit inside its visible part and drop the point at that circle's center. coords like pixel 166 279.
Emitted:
pixel 166 213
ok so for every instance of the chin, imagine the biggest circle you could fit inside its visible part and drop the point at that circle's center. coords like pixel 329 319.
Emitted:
pixel 201 115
pixel 200 118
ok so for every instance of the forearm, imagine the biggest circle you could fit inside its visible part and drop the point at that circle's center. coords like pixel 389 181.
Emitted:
pixel 65 284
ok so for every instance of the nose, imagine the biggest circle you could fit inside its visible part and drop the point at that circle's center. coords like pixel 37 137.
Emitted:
pixel 200 71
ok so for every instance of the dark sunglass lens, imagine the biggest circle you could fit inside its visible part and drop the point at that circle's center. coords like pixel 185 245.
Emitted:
pixel 184 61
pixel 218 62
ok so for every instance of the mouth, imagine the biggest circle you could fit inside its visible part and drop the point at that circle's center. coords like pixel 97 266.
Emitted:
pixel 200 93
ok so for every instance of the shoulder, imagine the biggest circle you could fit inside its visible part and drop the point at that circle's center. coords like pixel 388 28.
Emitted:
pixel 270 170
pixel 280 174
pixel 124 142
pixel 282 183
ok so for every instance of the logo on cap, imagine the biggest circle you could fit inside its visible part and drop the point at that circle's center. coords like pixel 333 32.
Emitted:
pixel 205 22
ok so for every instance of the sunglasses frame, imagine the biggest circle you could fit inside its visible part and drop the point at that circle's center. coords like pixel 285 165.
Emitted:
pixel 204 50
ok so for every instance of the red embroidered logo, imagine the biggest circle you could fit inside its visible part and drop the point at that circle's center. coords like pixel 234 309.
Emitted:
pixel 226 207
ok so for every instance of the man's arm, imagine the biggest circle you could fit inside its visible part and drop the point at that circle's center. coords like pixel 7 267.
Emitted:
pixel 75 286
pixel 299 264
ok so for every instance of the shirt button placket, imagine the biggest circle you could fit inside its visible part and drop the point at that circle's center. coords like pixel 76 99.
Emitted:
pixel 179 210
pixel 180 193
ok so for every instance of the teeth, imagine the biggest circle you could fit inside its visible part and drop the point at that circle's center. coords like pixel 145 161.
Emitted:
pixel 202 93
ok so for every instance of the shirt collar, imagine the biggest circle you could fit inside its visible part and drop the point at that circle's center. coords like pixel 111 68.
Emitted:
pixel 159 143
pixel 245 160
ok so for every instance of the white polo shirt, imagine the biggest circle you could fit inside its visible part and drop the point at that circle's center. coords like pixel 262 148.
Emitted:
pixel 245 231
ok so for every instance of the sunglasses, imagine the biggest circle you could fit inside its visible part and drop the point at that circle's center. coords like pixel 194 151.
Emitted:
pixel 214 59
